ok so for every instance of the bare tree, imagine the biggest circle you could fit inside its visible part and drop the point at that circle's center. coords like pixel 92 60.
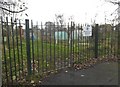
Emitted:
pixel 59 18
pixel 12 8
pixel 118 9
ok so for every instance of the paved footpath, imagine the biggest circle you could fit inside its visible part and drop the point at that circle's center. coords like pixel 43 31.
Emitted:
pixel 101 74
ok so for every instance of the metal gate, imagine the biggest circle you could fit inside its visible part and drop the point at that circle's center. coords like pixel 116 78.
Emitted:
pixel 36 50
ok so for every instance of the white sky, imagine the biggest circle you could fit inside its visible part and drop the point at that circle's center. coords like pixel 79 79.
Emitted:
pixel 82 10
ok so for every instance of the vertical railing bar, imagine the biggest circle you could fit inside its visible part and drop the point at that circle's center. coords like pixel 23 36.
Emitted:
pixel 104 42
pixel 117 41
pixel 90 43
pixel 103 39
pixel 42 49
pixel 115 36
pixel 75 46
pixel 96 41
pixel 50 49
pixel 82 41
pixel 64 43
pixel 17 48
pixel 111 38
pixel 114 41
pixel 61 48
pixel 82 44
pixel 110 35
pixel 83 48
pixel 37 47
pixel 9 48
pixel 78 43
pixel 68 46
pixel 87 48
pixel 21 45
pixel 6 69
pixel 108 42
pixel 99 42
pixel 86 37
pixel 117 30
pixel 33 60
pixel 58 45
pixel 46 50
pixel 73 42
pixel 84 56
pixel 54 47
pixel 71 46
pixel 118 50
pixel 14 48
pixel 81 53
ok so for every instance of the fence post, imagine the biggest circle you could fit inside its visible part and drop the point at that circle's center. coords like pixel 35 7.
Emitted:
pixel 118 53
pixel 96 41
pixel 0 54
pixel 28 46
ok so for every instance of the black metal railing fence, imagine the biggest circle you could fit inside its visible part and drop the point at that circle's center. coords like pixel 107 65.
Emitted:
pixel 38 49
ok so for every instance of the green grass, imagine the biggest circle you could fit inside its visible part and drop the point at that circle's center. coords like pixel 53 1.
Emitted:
pixel 45 54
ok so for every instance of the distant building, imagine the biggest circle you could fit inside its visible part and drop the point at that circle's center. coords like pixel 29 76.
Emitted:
pixel 49 27
pixel 61 35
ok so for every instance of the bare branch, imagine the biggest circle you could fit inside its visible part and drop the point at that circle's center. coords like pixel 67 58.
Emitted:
pixel 13 11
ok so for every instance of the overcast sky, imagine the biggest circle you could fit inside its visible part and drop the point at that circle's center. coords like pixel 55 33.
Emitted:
pixel 83 11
